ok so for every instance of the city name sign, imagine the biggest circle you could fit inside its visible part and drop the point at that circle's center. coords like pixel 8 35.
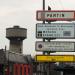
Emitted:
pixel 59 15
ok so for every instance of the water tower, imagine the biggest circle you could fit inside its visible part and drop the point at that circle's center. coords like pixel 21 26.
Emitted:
pixel 16 35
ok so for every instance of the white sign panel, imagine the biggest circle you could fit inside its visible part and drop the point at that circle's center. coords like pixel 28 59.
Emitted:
pixel 57 46
pixel 55 30
pixel 55 15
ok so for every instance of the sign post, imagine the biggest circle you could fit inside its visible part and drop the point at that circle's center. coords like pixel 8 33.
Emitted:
pixel 49 31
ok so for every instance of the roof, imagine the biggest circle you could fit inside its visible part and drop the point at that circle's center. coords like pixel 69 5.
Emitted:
pixel 6 56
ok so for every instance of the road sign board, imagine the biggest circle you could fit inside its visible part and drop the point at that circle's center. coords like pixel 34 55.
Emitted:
pixel 55 30
pixel 55 58
pixel 55 15
pixel 57 46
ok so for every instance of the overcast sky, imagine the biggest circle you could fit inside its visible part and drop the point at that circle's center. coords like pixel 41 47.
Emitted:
pixel 23 13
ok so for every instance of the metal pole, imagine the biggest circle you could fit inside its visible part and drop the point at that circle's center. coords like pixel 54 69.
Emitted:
pixel 44 8
pixel 43 4
pixel 44 39
pixel 61 73
pixel 44 20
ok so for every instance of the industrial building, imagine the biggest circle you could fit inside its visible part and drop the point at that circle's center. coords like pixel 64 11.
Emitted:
pixel 12 61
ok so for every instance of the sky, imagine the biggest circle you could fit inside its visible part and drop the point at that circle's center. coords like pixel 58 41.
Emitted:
pixel 23 13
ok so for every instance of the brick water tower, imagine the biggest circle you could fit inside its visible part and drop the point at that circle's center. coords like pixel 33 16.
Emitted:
pixel 16 35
